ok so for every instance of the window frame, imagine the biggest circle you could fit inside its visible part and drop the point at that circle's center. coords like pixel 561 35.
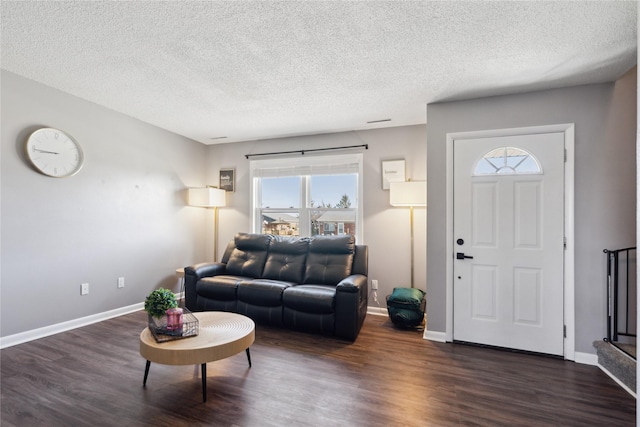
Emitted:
pixel 307 161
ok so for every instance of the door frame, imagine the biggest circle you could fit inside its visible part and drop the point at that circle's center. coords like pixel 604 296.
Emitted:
pixel 569 254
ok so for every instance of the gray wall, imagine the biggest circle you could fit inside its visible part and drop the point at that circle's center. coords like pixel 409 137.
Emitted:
pixel 123 214
pixel 605 170
pixel 386 229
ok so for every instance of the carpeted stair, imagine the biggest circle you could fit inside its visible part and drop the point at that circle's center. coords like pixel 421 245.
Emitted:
pixel 617 363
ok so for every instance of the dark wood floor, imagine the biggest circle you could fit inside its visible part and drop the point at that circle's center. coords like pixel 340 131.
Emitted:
pixel 92 376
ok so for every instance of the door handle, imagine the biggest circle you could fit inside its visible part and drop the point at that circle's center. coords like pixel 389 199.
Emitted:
pixel 461 255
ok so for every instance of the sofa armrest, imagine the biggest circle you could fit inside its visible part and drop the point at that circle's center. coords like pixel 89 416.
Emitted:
pixel 192 274
pixel 353 284
pixel 205 269
pixel 351 306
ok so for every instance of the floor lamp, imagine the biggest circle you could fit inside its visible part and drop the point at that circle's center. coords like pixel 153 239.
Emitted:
pixel 411 194
pixel 209 198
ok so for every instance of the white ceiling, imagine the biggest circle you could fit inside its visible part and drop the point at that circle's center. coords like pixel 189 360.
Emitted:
pixel 256 70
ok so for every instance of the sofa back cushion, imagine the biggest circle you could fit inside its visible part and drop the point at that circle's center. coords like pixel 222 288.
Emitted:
pixel 286 259
pixel 329 259
pixel 248 257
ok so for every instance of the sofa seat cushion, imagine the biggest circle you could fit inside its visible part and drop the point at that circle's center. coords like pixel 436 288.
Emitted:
pixel 262 292
pixel 222 288
pixel 316 299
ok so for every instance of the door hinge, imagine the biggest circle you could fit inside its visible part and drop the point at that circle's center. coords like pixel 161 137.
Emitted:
pixel 565 155
pixel 564 242
pixel 564 330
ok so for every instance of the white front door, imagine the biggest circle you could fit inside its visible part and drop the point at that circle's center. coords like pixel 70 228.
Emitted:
pixel 508 211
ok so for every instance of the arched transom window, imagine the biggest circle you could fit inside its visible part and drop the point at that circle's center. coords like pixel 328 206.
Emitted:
pixel 507 160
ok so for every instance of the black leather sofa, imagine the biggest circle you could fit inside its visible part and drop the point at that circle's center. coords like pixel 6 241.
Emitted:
pixel 316 284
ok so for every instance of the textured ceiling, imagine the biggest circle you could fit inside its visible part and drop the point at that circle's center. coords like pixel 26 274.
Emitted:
pixel 254 70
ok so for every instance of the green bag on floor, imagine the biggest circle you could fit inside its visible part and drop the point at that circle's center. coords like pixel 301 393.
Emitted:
pixel 406 306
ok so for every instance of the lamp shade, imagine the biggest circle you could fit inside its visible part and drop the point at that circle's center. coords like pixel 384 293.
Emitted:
pixel 409 193
pixel 207 197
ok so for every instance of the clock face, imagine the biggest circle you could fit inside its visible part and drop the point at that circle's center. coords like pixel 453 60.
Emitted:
pixel 54 153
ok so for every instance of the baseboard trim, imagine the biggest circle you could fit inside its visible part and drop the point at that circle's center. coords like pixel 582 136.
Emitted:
pixel 46 331
pixel 377 311
pixel 586 358
pixel 435 336
pixel 620 383
pixel 34 334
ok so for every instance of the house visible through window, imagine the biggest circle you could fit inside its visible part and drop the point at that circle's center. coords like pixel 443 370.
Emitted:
pixel 307 196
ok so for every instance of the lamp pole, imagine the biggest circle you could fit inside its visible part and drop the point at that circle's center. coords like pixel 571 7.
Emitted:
pixel 215 234
pixel 411 221
pixel 409 194
pixel 209 197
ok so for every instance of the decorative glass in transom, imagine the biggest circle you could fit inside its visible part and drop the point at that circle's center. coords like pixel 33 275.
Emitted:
pixel 507 160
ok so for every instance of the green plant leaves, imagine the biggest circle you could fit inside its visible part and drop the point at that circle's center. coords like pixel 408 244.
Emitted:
pixel 159 301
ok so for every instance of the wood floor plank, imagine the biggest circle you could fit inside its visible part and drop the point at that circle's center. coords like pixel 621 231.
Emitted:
pixel 388 377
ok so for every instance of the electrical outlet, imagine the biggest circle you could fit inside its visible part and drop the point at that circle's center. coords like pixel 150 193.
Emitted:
pixel 374 285
pixel 120 282
pixel 84 289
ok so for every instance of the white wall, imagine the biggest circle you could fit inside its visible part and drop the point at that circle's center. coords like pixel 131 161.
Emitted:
pixel 386 229
pixel 123 214
pixel 605 125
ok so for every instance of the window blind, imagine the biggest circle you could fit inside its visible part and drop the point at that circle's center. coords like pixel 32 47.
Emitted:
pixel 310 165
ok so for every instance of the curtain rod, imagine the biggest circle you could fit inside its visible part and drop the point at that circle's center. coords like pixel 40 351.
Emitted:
pixel 302 152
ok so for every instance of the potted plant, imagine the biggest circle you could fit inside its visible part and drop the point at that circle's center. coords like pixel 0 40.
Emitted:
pixel 159 301
pixel 164 315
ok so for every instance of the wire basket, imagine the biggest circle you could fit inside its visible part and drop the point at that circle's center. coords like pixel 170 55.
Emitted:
pixel 164 332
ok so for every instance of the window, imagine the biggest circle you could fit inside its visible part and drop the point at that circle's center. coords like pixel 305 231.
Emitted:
pixel 507 160
pixel 307 196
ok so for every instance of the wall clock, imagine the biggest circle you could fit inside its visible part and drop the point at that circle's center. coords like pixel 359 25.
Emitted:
pixel 54 153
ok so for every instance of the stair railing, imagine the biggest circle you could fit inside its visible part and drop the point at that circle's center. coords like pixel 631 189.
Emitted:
pixel 621 295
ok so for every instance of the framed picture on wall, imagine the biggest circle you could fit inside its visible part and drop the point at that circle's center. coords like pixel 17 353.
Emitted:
pixel 392 171
pixel 228 179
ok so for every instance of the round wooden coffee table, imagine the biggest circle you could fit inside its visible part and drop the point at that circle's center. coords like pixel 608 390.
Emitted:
pixel 220 335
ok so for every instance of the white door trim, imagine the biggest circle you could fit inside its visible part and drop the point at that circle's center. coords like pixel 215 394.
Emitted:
pixel 569 262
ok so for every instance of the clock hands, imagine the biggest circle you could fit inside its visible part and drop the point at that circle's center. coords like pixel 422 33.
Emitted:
pixel 44 151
